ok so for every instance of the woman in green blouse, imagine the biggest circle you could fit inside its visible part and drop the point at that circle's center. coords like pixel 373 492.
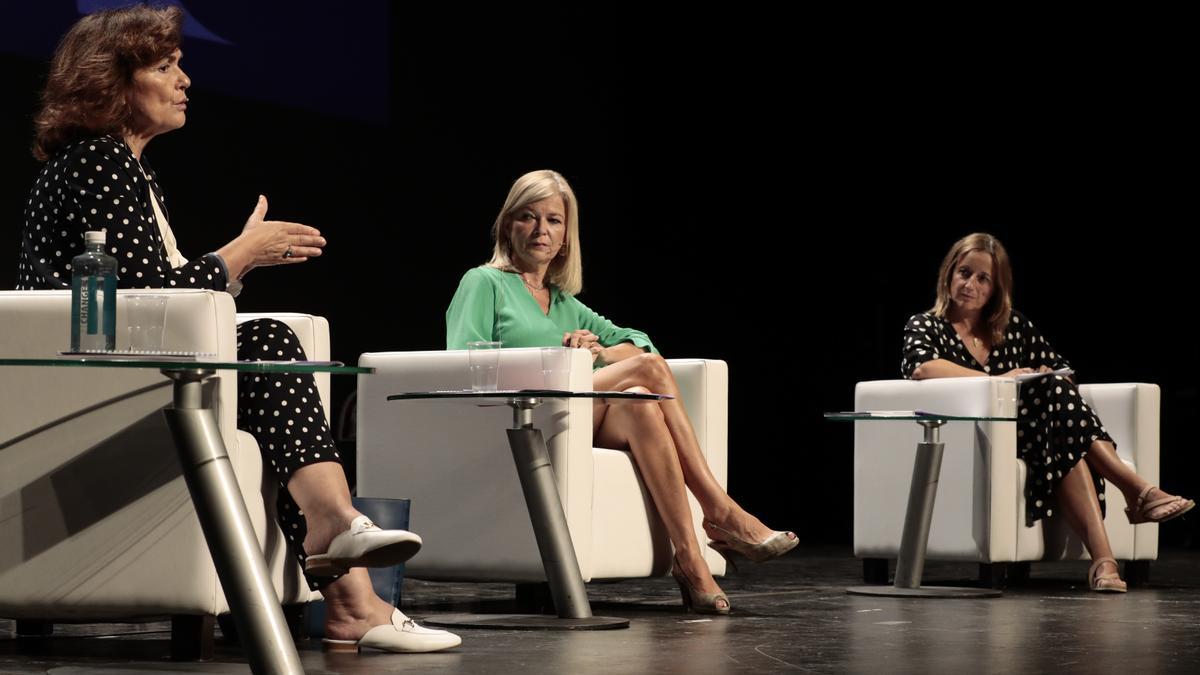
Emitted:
pixel 525 297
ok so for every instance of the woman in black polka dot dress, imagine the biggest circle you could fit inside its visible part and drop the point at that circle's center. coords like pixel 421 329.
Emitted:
pixel 116 83
pixel 973 331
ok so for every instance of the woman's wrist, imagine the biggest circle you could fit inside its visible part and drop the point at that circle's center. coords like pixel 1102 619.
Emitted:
pixel 236 257
pixel 620 352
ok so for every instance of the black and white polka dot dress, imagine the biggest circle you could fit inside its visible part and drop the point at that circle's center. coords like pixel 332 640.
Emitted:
pixel 1055 426
pixel 97 184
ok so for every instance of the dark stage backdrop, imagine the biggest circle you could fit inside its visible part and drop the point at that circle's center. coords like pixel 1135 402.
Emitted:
pixel 778 197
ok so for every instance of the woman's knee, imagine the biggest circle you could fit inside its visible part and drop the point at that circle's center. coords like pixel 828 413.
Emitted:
pixel 268 340
pixel 654 370
pixel 642 415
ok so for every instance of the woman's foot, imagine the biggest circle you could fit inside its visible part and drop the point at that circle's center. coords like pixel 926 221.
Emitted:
pixel 321 530
pixel 745 534
pixel 1104 576
pixel 356 618
pixel 363 544
pixel 700 591
pixel 736 523
pixel 1153 505
pixel 351 618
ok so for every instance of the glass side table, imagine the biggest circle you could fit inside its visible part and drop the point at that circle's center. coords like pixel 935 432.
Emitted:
pixel 215 493
pixel 545 510
pixel 914 540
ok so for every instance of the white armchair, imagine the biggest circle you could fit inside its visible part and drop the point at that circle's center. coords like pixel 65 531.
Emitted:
pixel 453 461
pixel 979 514
pixel 95 516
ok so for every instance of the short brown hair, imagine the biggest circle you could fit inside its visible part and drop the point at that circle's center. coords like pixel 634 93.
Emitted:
pixel 998 310
pixel 91 73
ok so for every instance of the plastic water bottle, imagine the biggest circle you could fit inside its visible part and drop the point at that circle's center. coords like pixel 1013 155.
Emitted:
pixel 93 297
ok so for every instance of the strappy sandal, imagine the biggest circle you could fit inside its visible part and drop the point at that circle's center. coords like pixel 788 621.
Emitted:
pixel 1105 583
pixel 774 546
pixel 696 601
pixel 1140 512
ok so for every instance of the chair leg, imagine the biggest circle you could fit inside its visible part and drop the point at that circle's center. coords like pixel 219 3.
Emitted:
pixel 1018 572
pixel 228 628
pixel 875 570
pixel 1137 572
pixel 192 637
pixel 34 628
pixel 297 621
pixel 296 616
pixel 994 575
pixel 535 599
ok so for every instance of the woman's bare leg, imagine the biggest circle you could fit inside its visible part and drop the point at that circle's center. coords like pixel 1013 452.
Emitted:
pixel 653 373
pixel 1102 456
pixel 352 608
pixel 1077 498
pixel 640 427
pixel 321 492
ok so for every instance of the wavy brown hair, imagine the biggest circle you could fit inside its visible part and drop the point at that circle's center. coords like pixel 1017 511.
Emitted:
pixel 91 74
pixel 998 309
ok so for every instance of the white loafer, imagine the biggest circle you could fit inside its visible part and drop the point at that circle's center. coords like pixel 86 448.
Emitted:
pixel 402 636
pixel 363 545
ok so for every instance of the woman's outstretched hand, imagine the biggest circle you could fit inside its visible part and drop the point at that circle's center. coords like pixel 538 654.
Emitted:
pixel 270 242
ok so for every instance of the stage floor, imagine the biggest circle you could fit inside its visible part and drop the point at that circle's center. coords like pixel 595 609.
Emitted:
pixel 789 615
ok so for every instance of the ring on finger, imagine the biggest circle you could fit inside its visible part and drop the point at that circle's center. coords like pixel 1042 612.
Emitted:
pixel 288 253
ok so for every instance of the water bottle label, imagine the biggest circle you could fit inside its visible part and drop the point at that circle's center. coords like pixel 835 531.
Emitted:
pixel 94 315
pixel 90 305
pixel 78 313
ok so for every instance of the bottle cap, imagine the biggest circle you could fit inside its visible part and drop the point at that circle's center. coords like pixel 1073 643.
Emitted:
pixel 93 237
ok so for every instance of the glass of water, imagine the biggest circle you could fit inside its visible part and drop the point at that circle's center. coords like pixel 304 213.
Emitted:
pixel 485 365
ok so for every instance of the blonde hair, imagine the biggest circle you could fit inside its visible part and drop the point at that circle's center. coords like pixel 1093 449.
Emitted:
pixel 998 310
pixel 566 271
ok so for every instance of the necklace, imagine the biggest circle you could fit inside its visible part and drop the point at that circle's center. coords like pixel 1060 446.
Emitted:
pixel 531 286
pixel 974 340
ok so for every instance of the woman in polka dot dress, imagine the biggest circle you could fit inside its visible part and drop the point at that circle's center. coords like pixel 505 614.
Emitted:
pixel 973 331
pixel 115 83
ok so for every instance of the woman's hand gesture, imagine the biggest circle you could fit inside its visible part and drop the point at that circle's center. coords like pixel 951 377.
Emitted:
pixel 270 242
